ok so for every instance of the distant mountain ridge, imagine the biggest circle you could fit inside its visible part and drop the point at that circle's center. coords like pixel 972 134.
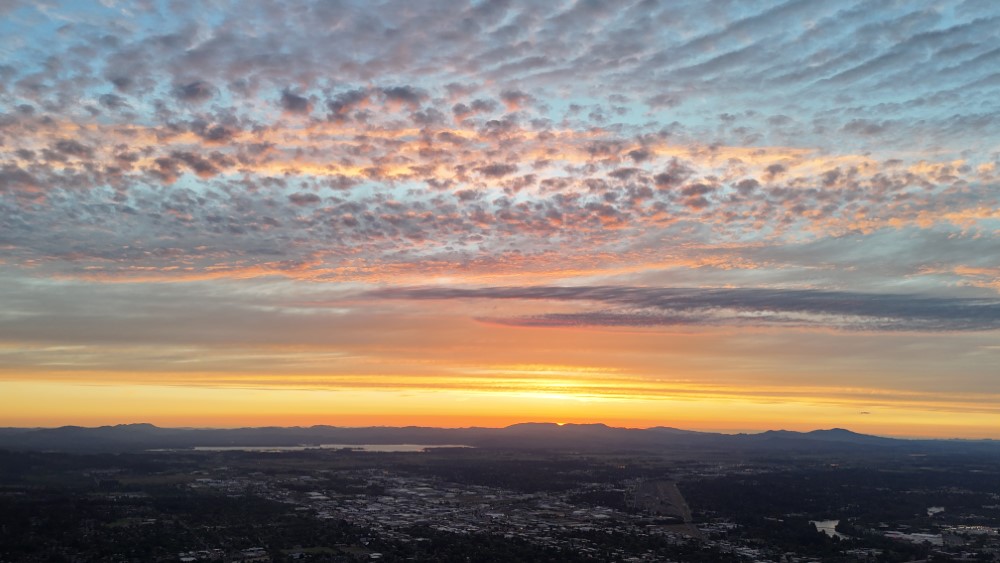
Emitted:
pixel 831 435
pixel 530 435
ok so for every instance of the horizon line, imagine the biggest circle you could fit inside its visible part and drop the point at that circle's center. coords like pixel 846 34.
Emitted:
pixel 525 423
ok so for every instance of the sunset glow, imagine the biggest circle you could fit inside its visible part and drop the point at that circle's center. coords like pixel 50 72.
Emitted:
pixel 715 216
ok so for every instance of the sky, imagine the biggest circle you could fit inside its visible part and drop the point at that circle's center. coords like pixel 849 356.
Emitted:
pixel 726 216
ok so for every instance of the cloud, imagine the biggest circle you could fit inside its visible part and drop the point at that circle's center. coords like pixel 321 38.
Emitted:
pixel 423 159
pixel 304 198
pixel 497 170
pixel 196 91
pixel 345 102
pixel 113 101
pixel 645 306
pixel 404 95
pixel 515 99
pixel 71 147
pixel 293 103
pixel 212 132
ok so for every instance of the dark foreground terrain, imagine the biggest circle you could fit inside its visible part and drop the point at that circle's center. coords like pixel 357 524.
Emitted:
pixel 709 503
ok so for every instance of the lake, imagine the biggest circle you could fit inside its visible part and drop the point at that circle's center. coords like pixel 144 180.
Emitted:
pixel 356 447
pixel 829 527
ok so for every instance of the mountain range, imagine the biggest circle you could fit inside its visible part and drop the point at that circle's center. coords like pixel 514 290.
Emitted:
pixel 540 436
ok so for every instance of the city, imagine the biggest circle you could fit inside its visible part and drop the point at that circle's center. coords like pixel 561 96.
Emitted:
pixel 373 502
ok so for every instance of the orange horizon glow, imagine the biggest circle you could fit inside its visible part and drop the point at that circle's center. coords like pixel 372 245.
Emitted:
pixel 443 369
pixel 208 407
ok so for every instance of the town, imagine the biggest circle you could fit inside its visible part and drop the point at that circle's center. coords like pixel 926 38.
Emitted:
pixel 478 504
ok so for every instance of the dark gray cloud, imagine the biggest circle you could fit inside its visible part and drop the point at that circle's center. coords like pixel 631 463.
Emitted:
pixel 72 147
pixel 645 306
pixel 295 103
pixel 497 170
pixel 196 91
pixel 405 95
pixel 212 132
pixel 304 198
pixel 345 102
pixel 515 98
pixel 113 101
